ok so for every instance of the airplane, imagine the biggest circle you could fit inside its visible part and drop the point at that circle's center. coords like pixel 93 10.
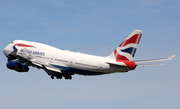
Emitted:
pixel 63 63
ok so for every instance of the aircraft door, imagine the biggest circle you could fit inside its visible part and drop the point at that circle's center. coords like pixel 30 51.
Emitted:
pixel 100 67
pixel 51 59
pixel 71 62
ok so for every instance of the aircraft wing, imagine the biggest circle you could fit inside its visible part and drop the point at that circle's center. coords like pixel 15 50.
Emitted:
pixel 45 66
pixel 154 60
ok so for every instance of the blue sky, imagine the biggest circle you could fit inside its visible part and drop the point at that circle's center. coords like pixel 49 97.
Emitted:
pixel 94 27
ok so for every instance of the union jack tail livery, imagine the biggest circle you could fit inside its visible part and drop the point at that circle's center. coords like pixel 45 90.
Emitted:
pixel 127 48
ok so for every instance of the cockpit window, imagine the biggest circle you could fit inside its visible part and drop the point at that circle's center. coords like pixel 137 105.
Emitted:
pixel 11 42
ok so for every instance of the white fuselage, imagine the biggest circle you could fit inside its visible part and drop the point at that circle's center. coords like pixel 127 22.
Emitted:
pixel 80 63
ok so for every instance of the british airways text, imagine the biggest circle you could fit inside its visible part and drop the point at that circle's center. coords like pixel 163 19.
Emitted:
pixel 32 52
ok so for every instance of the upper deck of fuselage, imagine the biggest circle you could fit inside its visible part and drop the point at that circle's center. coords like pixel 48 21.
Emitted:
pixel 35 45
pixel 53 50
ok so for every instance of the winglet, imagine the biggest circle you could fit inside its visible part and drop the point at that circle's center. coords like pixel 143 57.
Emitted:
pixel 171 57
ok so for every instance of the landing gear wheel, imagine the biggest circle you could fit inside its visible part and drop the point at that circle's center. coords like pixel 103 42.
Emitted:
pixel 68 77
pixel 52 77
pixel 59 77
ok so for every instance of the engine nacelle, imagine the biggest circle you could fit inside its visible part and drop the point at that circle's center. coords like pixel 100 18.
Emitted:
pixel 13 65
pixel 24 68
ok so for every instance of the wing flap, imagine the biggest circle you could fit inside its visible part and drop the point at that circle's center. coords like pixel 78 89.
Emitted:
pixel 37 64
pixel 51 68
pixel 45 66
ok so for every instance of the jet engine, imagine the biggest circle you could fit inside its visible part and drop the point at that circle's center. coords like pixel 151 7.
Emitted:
pixel 13 65
pixel 24 68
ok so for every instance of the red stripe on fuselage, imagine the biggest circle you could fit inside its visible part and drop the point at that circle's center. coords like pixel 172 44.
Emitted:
pixel 23 45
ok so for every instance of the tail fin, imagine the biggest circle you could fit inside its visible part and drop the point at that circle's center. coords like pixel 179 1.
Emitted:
pixel 127 48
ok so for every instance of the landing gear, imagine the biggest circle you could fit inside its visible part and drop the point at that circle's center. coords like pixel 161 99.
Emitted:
pixel 52 77
pixel 68 77
pixel 59 77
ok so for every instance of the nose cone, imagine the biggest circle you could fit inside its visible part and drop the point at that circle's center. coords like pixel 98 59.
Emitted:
pixel 5 51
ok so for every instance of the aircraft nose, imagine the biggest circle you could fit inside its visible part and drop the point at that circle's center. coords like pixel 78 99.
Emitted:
pixel 5 51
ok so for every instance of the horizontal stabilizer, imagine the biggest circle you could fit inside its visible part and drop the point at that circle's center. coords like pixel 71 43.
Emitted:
pixel 154 60
pixel 129 64
pixel 116 63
